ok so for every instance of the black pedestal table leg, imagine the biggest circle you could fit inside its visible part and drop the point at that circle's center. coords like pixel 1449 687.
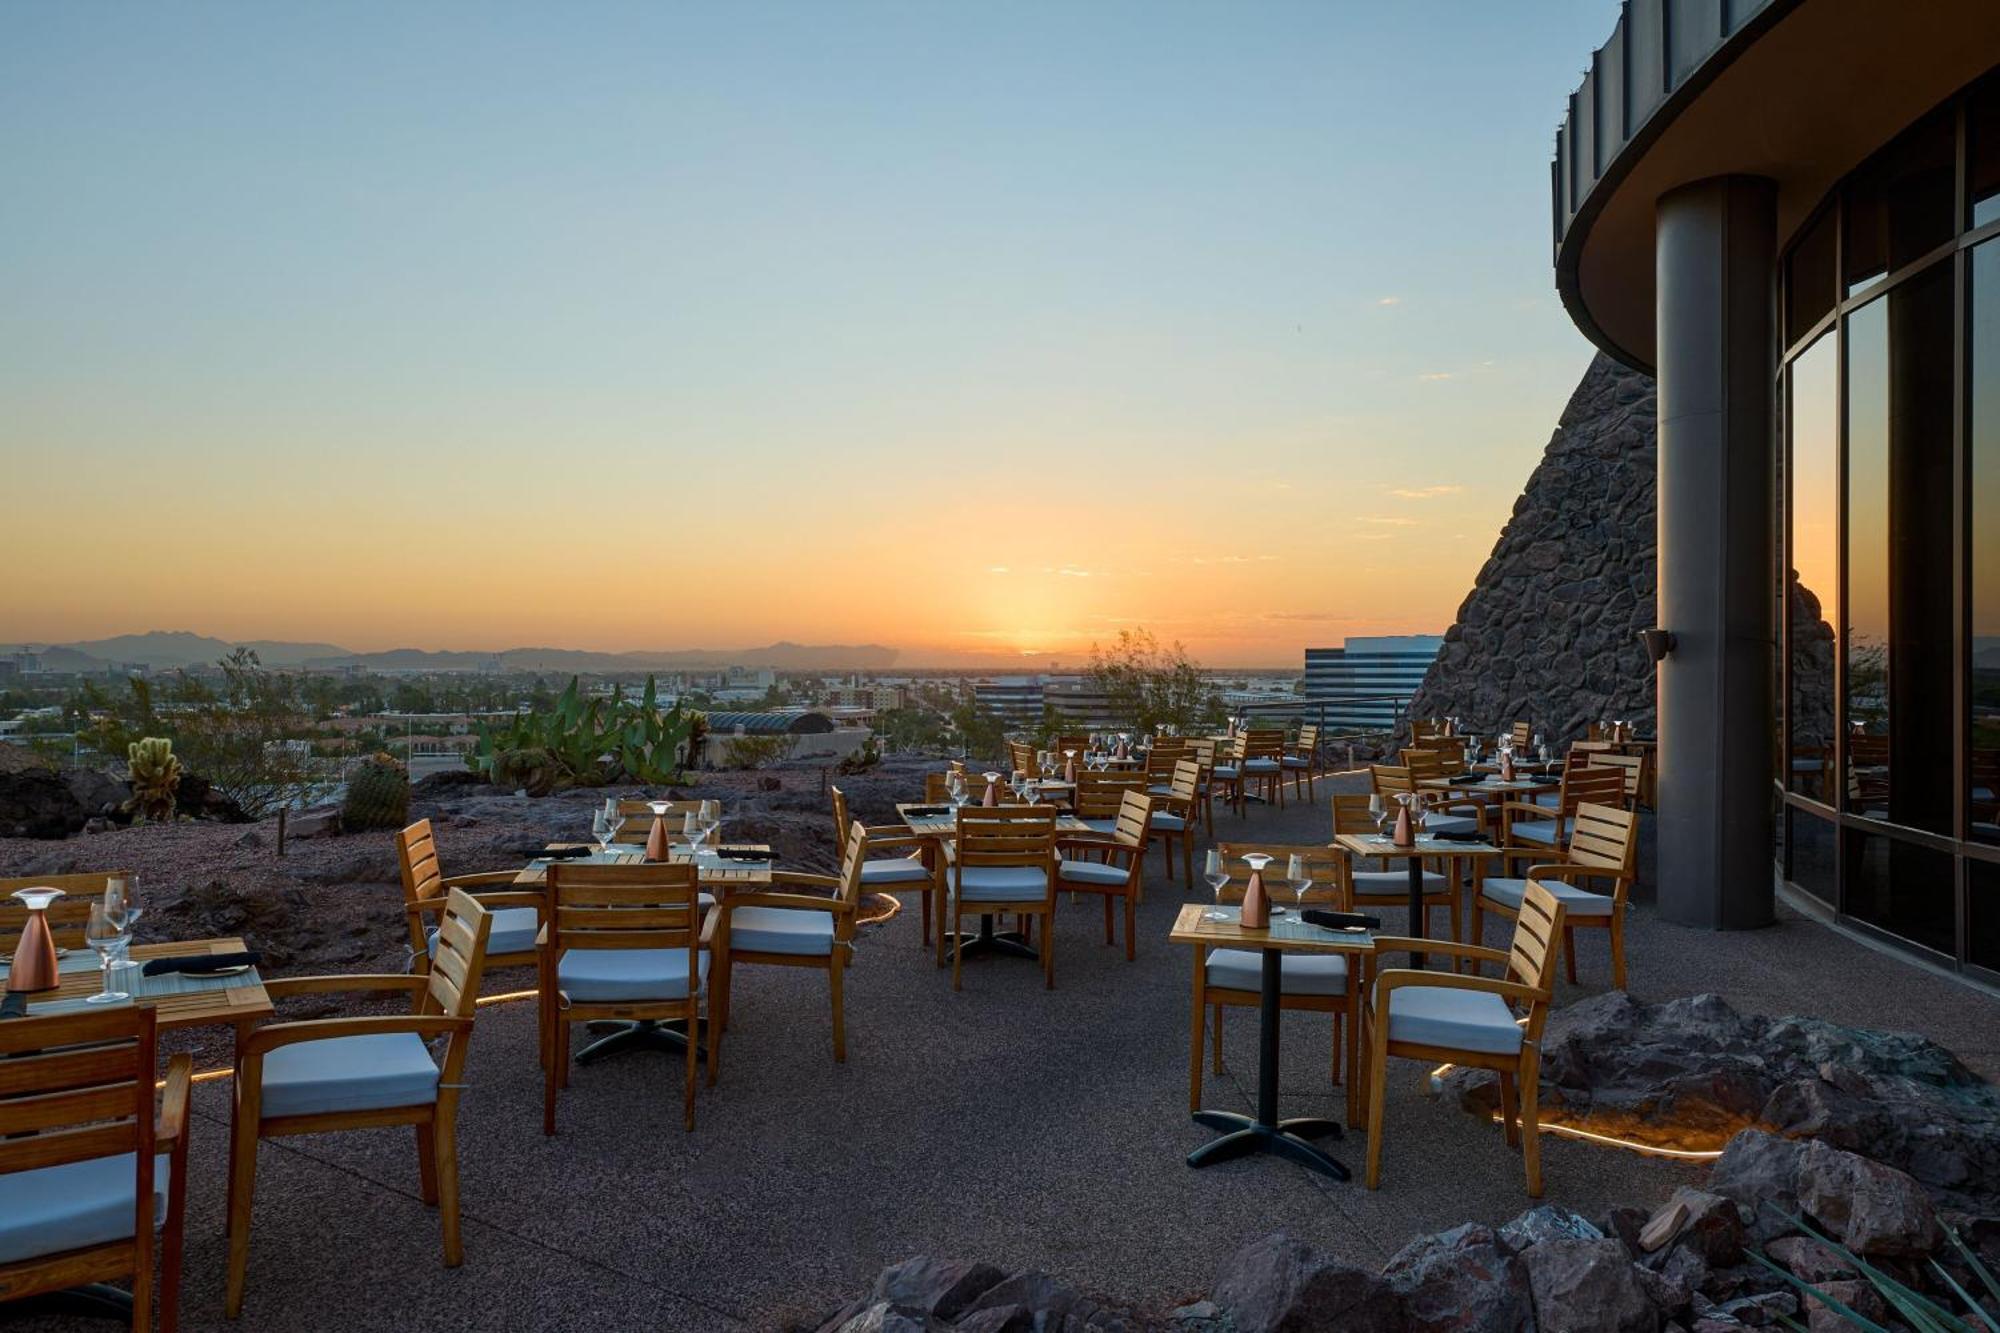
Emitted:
pixel 1417 913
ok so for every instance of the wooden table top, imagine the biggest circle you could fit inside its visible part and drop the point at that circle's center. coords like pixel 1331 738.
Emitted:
pixel 946 825
pixel 1374 844
pixel 176 1001
pixel 708 870
pixel 1287 932
pixel 1491 786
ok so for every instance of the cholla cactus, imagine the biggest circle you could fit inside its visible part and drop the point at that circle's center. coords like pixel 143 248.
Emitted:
pixel 156 777
pixel 378 795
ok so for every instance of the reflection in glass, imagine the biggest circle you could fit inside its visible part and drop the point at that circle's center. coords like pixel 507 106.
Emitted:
pixel 1983 332
pixel 1983 153
pixel 1982 943
pixel 1811 844
pixel 1903 888
pixel 1815 566
pixel 1900 205
pixel 1866 638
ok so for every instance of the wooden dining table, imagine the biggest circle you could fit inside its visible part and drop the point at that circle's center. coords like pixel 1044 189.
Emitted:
pixel 1428 846
pixel 1208 928
pixel 177 999
pixel 938 824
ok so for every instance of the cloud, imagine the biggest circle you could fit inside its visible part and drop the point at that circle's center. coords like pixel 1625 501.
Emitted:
pixel 1390 300
pixel 1305 615
pixel 1425 492
pixel 1435 375
pixel 1070 573
pixel 997 569
pixel 1389 521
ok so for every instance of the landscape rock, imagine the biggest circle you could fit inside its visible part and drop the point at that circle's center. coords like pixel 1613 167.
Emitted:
pixel 1460 1279
pixel 1588 1286
pixel 1871 1208
pixel 884 1317
pixel 1713 1229
pixel 97 791
pixel 37 803
pixel 1857 1295
pixel 1624 1222
pixel 1547 1222
pixel 935 1286
pixel 319 823
pixel 1809 1260
pixel 1278 1284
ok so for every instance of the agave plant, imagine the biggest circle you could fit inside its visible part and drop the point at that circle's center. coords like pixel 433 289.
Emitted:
pixel 156 778
pixel 1921 1312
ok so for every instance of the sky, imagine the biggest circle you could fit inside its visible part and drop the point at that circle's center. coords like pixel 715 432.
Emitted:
pixel 977 330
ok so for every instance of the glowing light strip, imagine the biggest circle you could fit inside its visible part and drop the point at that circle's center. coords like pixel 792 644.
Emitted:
pixel 1592 1136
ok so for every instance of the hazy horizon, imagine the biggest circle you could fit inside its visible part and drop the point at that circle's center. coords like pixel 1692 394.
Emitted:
pixel 966 331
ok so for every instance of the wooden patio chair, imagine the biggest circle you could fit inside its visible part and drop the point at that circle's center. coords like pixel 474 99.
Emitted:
pixel 910 872
pixel 1423 728
pixel 1531 831
pixel 638 817
pixel 1633 766
pixel 1100 796
pixel 1119 872
pixel 1303 763
pixel 1225 774
pixel 1175 816
pixel 1388 884
pixel 1004 863
pixel 87 1173
pixel 1313 983
pixel 1160 760
pixel 1021 758
pixel 67 915
pixel 1446 813
pixel 777 927
pixel 623 942
pixel 321 1076
pixel 1264 765
pixel 1468 1019
pixel 1204 751
pixel 517 913
pixel 1603 846
pixel 1523 734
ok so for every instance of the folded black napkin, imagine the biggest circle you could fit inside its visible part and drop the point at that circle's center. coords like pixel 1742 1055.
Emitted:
pixel 564 853
pixel 200 964
pixel 742 854
pixel 922 810
pixel 1453 835
pixel 1468 779
pixel 1319 916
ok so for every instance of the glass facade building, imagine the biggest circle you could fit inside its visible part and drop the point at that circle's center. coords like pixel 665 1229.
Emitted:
pixel 1888 515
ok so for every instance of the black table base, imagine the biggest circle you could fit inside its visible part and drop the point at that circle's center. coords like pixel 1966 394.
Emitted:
pixel 1264 1132
pixel 646 1034
pixel 1419 914
pixel 1007 943
pixel 95 1300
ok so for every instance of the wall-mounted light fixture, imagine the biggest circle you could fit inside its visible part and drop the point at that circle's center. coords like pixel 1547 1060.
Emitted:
pixel 1659 642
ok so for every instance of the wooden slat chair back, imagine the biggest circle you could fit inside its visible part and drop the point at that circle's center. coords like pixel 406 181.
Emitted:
pixel 1122 866
pixel 1603 846
pixel 1423 728
pixel 1426 764
pixel 974 777
pixel 901 845
pixel 1391 779
pixel 592 908
pixel 1382 882
pixel 1515 1013
pixel 67 915
pixel 1099 794
pixel 76 1088
pixel 1176 814
pixel 1633 766
pixel 1226 978
pixel 1451 749
pixel 443 1001
pixel 1523 734
pixel 1160 760
pixel 937 787
pixel 999 838
pixel 1264 763
pixel 426 898
pixel 1079 743
pixel 1021 758
pixel 638 817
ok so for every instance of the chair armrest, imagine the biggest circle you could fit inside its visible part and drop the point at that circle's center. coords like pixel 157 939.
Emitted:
pixel 172 1124
pixel 324 985
pixel 1570 872
pixel 489 899
pixel 1525 808
pixel 483 877
pixel 1391 978
pixel 801 901
pixel 893 835
pixel 273 1035
pixel 1407 944
pixel 798 877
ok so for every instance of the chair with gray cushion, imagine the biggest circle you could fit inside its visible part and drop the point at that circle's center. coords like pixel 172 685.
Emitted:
pixel 89 1171
pixel 324 1075
pixel 904 871
pixel 802 920
pixel 1117 874
pixel 1540 833
pixel 516 912
pixel 1388 886
pixel 1470 1020
pixel 1303 763
pixel 1314 983
pixel 1004 863
pixel 1604 849
pixel 1175 815
pixel 626 944
pixel 1263 765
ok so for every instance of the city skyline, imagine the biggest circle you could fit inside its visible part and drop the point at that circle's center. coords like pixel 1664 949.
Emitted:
pixel 972 333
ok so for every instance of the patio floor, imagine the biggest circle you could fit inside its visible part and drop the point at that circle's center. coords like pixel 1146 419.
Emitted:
pixel 1006 1123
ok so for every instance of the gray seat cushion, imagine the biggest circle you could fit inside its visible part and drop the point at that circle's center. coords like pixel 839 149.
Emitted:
pixel 1001 884
pixel 1260 766
pixel 371 1072
pixel 74 1206
pixel 1508 892
pixel 894 870
pixel 1093 872
pixel 616 976
pixel 514 931
pixel 1298 973
pixel 1297 761
pixel 1465 1020
pixel 1533 832
pixel 1163 789
pixel 793 930
pixel 1547 800
pixel 1395 882
pixel 1168 823
pixel 1224 771
pixel 1450 824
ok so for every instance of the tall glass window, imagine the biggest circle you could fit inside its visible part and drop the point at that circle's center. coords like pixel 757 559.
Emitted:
pixel 1815 552
pixel 1865 636
pixel 1983 368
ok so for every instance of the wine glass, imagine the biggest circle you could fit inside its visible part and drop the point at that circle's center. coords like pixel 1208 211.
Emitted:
pixel 954 788
pixel 692 830
pixel 121 901
pixel 1378 810
pixel 105 933
pixel 600 828
pixel 1212 871
pixel 1300 876
pixel 710 813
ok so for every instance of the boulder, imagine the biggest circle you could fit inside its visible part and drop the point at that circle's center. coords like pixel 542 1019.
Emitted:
pixel 1547 1222
pixel 1809 1260
pixel 1694 1219
pixel 938 1287
pixel 37 803
pixel 1588 1286
pixel 1857 1295
pixel 96 791
pixel 1279 1283
pixel 1760 1171
pixel 1460 1279
pixel 1871 1208
pixel 883 1317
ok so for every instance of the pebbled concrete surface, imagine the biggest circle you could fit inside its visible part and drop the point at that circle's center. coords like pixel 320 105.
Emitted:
pixel 1006 1123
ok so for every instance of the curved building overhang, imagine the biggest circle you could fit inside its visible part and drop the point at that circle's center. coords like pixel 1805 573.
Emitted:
pixel 1800 91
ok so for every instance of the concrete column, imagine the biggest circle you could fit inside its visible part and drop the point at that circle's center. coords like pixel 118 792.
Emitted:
pixel 1716 252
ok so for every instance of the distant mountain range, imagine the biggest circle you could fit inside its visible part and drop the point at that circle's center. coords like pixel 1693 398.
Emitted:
pixel 165 649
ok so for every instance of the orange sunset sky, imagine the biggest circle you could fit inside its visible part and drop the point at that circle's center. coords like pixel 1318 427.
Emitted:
pixel 973 331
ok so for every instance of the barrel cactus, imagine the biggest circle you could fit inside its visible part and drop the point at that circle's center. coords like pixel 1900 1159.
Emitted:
pixel 378 795
pixel 156 778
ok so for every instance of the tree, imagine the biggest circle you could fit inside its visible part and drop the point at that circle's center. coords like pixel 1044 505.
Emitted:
pixel 983 736
pixel 1148 686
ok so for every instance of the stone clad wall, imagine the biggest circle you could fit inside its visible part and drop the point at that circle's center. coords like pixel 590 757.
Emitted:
pixel 1549 632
